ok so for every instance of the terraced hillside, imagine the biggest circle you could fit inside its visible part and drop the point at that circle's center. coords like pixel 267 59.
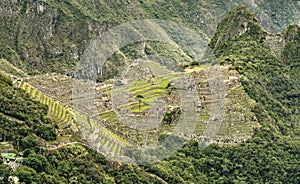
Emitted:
pixel 127 106
pixel 134 96
pixel 239 120
pixel 71 121
pixel 57 111
pixel 255 92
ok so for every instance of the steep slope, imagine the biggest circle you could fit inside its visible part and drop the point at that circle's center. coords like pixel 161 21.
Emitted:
pixel 29 116
pixel 40 36
pixel 47 157
pixel 268 69
pixel 272 81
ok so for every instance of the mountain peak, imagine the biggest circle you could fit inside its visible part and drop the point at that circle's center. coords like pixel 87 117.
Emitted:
pixel 238 22
pixel 292 32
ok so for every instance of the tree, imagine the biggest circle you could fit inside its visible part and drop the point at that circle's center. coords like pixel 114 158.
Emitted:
pixel 139 97
pixel 27 174
pixel 5 171
pixel 37 162
pixel 29 142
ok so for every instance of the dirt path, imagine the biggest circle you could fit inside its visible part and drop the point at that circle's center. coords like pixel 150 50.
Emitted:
pixel 157 177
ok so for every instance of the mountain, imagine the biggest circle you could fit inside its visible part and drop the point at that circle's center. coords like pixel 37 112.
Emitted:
pixel 268 65
pixel 267 62
pixel 40 36
pixel 260 68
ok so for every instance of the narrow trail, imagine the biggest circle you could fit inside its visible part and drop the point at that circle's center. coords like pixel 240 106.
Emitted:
pixel 157 177
pixel 52 147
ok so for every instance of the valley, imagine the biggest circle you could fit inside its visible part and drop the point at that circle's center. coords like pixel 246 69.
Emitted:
pixel 179 91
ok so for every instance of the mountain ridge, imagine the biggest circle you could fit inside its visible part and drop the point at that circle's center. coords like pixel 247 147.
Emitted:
pixel 62 30
pixel 270 156
pixel 255 50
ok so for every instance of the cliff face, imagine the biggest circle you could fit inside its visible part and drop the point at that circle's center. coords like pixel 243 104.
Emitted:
pixel 48 35
pixel 37 36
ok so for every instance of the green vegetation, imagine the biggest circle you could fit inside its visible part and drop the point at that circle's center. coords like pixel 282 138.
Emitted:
pixel 11 156
pixel 271 81
pixel 8 68
pixel 74 164
pixel 57 111
pixel 270 156
pixel 25 123
pixel 63 29
pixel 28 116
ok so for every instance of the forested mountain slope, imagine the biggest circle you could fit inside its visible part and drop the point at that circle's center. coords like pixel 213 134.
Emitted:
pixel 268 63
pixel 26 130
pixel 40 36
pixel 269 69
